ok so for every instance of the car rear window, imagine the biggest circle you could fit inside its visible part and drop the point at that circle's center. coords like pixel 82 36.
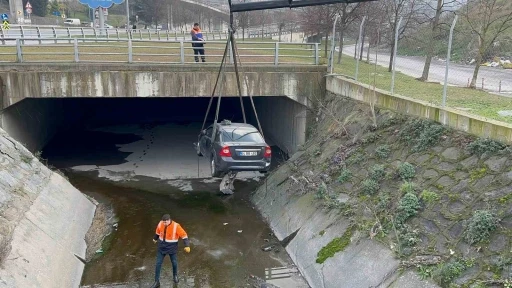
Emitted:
pixel 241 135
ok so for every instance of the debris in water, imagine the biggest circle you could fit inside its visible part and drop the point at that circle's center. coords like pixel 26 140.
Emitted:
pixel 225 224
pixel 240 231
pixel 267 248
pixel 99 250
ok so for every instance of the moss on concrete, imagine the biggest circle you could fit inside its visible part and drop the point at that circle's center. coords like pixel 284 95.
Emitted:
pixel 337 244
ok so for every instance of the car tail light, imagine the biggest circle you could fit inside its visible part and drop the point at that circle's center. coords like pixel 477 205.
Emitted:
pixel 268 152
pixel 225 152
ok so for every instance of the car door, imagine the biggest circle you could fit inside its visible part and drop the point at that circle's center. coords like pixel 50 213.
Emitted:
pixel 206 141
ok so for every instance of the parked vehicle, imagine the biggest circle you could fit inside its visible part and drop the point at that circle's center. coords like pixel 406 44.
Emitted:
pixel 72 22
pixel 235 147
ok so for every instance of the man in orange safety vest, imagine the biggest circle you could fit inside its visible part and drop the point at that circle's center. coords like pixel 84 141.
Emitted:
pixel 167 234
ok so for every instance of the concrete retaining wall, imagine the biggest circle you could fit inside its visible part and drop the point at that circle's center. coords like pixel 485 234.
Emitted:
pixel 97 80
pixel 476 125
pixel 43 222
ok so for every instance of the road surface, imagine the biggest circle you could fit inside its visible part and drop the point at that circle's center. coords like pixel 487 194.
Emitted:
pixel 458 74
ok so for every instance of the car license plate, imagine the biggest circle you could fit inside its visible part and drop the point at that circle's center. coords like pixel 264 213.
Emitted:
pixel 247 153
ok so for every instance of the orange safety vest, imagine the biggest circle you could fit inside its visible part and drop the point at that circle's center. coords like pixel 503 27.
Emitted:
pixel 172 233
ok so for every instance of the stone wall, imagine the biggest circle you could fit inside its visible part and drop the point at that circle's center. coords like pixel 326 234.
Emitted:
pixel 323 199
pixel 43 222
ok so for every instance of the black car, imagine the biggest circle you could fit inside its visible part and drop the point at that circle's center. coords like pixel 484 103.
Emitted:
pixel 235 147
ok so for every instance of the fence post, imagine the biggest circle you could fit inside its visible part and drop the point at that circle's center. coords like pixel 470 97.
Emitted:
pixel 95 34
pixel 75 47
pixel 106 33
pixel 54 34
pixel 130 51
pixel 83 33
pixel 394 56
pixel 176 35
pixel 182 52
pixel 117 33
pixel 167 34
pixel 140 34
pixel 158 33
pixel 359 42
pixel 447 67
pixel 230 54
pixel 276 54
pixel 18 51
pixel 316 54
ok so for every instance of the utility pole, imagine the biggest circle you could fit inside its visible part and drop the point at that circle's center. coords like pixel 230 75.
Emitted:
pixel 127 15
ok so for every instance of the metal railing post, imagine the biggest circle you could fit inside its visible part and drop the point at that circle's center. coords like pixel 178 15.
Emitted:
pixel 22 33
pixel 316 54
pixel 95 34
pixel 117 33
pixel 176 35
pixel 69 34
pixel 149 34
pixel 130 51
pixel 276 54
pixel 54 34
pixel 38 31
pixel 140 34
pixel 447 69
pixel 182 52
pixel 75 47
pixel 3 35
pixel 167 34
pixel 106 33
pixel 83 32
pixel 19 53
pixel 230 55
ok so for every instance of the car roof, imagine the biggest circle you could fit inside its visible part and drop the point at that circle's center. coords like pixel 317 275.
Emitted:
pixel 232 126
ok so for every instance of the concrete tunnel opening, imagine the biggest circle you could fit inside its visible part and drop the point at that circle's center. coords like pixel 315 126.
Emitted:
pixel 60 125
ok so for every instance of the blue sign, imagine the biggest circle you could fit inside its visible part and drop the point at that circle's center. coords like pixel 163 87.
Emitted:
pixel 56 13
pixel 100 3
pixel 4 16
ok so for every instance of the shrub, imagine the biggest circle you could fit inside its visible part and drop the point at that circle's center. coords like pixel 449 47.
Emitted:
pixel 480 226
pixel 429 197
pixel 383 151
pixel 407 207
pixel 377 172
pixel 383 203
pixel 370 186
pixel 372 137
pixel 406 171
pixel 446 272
pixel 355 158
pixel 345 175
pixel 408 187
pixel 422 133
pixel 481 145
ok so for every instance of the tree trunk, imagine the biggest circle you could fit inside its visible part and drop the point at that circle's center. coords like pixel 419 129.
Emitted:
pixel 430 43
pixel 355 48
pixel 362 44
pixel 243 33
pixel 390 68
pixel 326 43
pixel 340 53
pixel 479 58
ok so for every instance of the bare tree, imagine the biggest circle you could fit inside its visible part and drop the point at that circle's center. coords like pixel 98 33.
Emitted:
pixel 395 9
pixel 319 20
pixel 242 21
pixel 348 14
pixel 487 19
pixel 439 9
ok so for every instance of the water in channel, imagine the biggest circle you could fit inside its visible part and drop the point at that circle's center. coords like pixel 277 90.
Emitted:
pixel 119 166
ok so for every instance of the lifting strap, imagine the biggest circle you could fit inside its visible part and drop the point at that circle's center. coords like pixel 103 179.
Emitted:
pixel 236 60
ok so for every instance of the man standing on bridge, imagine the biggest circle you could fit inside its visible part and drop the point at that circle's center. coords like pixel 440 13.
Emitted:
pixel 167 234
pixel 197 35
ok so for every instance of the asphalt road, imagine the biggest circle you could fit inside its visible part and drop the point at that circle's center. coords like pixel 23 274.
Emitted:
pixel 458 74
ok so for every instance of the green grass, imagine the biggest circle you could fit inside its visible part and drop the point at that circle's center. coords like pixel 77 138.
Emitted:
pixel 480 102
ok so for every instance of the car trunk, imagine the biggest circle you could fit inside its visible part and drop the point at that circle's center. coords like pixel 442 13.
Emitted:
pixel 246 151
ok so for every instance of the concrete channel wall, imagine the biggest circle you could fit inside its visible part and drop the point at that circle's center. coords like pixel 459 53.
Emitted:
pixel 43 222
pixel 473 124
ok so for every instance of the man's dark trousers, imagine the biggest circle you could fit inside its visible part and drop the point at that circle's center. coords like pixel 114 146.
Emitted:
pixel 199 51
pixel 160 258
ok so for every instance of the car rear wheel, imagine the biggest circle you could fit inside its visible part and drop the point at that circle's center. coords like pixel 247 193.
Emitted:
pixel 213 169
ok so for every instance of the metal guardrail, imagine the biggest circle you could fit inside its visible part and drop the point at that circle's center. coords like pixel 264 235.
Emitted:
pixel 118 33
pixel 44 50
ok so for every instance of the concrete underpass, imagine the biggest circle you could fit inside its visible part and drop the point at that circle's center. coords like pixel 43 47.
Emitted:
pixel 35 122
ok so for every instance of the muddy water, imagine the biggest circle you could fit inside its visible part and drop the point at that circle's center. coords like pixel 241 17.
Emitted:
pixel 227 234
